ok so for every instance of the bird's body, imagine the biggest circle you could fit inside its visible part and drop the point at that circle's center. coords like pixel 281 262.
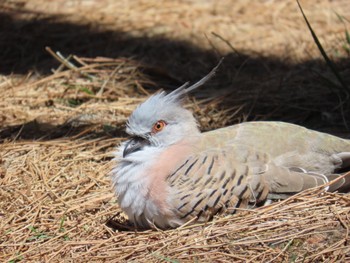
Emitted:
pixel 170 173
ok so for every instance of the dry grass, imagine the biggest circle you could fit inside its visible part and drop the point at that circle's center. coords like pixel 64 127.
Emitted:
pixel 58 130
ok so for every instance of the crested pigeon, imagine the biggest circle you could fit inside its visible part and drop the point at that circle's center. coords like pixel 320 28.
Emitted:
pixel 169 173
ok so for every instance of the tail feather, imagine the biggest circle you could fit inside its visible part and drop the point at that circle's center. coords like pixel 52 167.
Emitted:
pixel 313 180
pixel 337 184
pixel 287 181
pixel 345 157
pixel 285 184
pixel 345 187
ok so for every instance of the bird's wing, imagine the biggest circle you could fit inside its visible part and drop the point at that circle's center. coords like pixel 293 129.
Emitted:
pixel 229 178
pixel 276 138
pixel 287 144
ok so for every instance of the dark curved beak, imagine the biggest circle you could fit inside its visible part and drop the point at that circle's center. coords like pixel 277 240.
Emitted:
pixel 134 144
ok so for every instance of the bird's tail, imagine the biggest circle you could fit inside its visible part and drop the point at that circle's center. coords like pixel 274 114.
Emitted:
pixel 285 182
pixel 339 182
pixel 342 176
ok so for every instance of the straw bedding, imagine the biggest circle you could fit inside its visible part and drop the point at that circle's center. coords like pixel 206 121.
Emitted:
pixel 59 129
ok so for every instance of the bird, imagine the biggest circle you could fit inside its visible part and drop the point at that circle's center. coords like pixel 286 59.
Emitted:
pixel 168 173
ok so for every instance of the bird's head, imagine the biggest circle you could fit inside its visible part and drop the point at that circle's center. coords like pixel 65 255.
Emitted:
pixel 162 120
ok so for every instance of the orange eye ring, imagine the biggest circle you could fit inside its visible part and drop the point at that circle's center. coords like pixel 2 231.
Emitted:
pixel 158 126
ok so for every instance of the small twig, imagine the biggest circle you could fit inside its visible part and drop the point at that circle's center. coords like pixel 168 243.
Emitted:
pixel 65 61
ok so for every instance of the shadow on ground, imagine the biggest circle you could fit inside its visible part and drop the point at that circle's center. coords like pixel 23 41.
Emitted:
pixel 271 88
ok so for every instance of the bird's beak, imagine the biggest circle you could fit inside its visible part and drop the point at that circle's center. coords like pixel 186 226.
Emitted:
pixel 134 144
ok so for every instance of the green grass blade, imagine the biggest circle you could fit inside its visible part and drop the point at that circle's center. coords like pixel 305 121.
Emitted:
pixel 330 64
pixel 347 36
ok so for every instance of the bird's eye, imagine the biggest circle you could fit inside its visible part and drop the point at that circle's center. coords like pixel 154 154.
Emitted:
pixel 158 126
